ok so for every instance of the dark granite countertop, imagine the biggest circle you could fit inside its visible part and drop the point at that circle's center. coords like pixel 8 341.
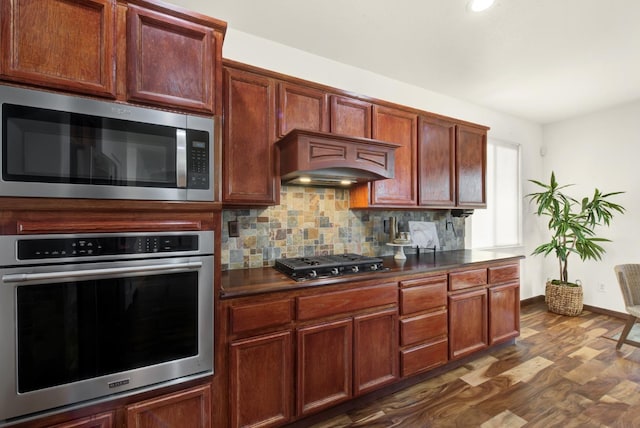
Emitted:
pixel 245 282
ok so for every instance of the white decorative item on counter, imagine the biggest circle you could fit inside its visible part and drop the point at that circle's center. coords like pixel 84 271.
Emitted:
pixel 424 234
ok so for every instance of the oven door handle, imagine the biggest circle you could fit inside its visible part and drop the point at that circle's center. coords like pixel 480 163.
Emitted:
pixel 27 277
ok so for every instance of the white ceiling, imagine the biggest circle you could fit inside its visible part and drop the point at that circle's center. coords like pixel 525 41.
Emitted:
pixel 543 60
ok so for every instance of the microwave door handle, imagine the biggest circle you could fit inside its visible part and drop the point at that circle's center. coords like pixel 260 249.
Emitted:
pixel 181 158
pixel 71 275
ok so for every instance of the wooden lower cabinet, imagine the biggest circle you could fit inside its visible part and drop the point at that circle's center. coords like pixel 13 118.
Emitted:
pixel 375 350
pixel 504 312
pixel 102 420
pixel 468 322
pixel 187 408
pixel 261 387
pixel 324 365
pixel 341 359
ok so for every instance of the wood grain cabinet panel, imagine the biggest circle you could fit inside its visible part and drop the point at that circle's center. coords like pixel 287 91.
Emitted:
pixel 499 274
pixel 261 372
pixel 171 61
pixel 102 420
pixel 437 162
pixel 62 44
pixel 399 127
pixel 471 162
pixel 422 328
pixel 424 357
pixel 325 358
pixel 424 297
pixel 350 116
pixel 327 304
pixel 302 107
pixel 248 153
pixel 261 315
pixel 187 408
pixel 504 312
pixel 467 279
pixel 375 349
pixel 468 323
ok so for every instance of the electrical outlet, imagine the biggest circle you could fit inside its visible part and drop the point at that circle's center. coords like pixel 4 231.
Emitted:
pixel 601 288
pixel 233 229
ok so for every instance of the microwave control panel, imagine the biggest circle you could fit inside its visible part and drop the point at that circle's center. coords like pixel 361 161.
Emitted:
pixel 198 165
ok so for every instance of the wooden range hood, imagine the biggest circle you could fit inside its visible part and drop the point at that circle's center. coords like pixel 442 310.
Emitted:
pixel 330 160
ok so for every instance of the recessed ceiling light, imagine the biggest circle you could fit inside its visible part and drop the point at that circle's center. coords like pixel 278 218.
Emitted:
pixel 480 5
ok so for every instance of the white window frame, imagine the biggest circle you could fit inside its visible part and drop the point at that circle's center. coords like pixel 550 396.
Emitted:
pixel 491 195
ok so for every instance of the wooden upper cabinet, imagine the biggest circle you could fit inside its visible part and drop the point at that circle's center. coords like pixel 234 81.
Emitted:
pixel 301 107
pixel 248 151
pixel 471 161
pixel 437 162
pixel 61 44
pixel 350 116
pixel 400 127
pixel 171 61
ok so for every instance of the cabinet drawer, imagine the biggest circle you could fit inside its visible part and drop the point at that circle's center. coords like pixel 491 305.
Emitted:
pixel 500 274
pixel 467 279
pixel 261 315
pixel 338 302
pixel 423 327
pixel 424 297
pixel 424 357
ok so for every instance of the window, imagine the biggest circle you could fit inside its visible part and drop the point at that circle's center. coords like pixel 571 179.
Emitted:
pixel 499 225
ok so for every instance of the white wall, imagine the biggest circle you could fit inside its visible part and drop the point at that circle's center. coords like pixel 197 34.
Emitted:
pixel 600 150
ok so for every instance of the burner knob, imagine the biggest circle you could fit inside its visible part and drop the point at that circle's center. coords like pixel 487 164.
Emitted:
pixel 312 274
pixel 354 269
pixel 334 271
pixel 374 267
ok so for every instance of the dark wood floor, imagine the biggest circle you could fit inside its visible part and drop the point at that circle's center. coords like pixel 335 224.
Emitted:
pixel 561 372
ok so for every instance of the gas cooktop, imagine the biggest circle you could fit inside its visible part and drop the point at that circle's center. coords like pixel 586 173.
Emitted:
pixel 305 268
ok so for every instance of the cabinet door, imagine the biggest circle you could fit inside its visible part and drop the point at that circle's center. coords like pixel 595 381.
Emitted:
pixel 400 127
pixel 471 166
pixel 424 357
pixel 467 323
pixel 188 408
pixel 60 44
pixel 375 350
pixel 436 163
pixel 504 312
pixel 350 116
pixel 102 420
pixel 302 107
pixel 324 365
pixel 261 380
pixel 248 151
pixel 170 61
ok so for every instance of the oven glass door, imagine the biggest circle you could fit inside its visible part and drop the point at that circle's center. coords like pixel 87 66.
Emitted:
pixel 79 330
pixel 75 332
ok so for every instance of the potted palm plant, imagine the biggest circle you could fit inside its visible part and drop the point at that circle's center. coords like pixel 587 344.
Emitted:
pixel 572 224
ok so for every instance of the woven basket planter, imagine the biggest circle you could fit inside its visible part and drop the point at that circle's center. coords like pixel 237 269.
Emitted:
pixel 564 300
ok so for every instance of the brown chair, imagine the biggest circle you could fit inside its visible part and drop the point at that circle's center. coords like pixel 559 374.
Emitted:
pixel 629 281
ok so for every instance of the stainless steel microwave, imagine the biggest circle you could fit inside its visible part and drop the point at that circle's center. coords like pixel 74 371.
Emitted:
pixel 63 146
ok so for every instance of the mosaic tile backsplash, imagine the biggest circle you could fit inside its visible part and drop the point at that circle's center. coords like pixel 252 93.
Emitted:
pixel 317 221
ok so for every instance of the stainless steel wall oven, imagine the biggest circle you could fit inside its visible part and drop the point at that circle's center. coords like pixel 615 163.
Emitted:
pixel 63 146
pixel 86 316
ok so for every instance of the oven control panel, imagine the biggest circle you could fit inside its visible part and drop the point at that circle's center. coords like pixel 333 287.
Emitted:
pixel 52 248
